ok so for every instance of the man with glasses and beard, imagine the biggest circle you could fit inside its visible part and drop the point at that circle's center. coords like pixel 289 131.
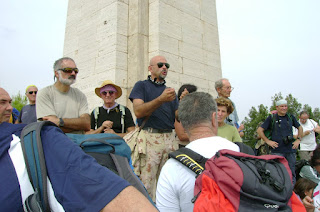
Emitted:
pixel 62 104
pixel 154 105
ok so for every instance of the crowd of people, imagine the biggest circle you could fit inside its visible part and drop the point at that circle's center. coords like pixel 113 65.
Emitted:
pixel 165 122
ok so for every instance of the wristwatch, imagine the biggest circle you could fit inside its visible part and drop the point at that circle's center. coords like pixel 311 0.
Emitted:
pixel 61 122
pixel 299 138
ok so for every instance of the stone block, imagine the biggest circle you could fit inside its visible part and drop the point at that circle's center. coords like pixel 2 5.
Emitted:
pixel 191 52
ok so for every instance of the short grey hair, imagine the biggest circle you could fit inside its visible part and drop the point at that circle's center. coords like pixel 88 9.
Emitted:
pixel 219 83
pixel 196 108
pixel 57 63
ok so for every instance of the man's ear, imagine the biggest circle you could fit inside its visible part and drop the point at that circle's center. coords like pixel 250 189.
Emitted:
pixel 56 74
pixel 214 120
pixel 215 123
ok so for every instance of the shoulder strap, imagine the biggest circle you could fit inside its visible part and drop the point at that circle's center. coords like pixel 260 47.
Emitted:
pixel 96 114
pixel 123 113
pixel 35 162
pixel 245 148
pixel 124 170
pixel 194 161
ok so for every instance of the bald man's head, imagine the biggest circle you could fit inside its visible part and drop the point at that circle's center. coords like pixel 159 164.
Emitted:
pixel 5 106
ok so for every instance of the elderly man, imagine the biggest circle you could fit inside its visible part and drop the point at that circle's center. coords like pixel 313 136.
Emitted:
pixel 224 89
pixel 111 117
pixel 61 104
pixel 154 105
pixel 282 141
pixel 198 115
pixel 69 176
pixel 28 112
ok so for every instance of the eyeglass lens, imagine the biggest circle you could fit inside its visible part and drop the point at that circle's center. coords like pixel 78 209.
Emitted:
pixel 31 92
pixel 161 64
pixel 69 70
pixel 110 92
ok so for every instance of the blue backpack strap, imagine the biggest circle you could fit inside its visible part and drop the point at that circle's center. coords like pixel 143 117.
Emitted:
pixel 35 162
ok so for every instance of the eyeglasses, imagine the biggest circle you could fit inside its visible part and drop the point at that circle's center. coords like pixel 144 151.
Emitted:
pixel 31 92
pixel 229 88
pixel 106 92
pixel 161 64
pixel 69 70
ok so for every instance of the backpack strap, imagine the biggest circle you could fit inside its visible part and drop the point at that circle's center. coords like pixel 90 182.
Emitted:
pixel 245 148
pixel 194 161
pixel 124 171
pixel 96 114
pixel 123 113
pixel 35 162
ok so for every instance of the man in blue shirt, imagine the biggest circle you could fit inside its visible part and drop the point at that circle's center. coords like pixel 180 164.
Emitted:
pixel 156 105
pixel 77 182
pixel 282 141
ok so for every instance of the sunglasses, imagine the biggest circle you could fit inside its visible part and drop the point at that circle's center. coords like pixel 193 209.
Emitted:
pixel 31 92
pixel 161 64
pixel 106 92
pixel 69 70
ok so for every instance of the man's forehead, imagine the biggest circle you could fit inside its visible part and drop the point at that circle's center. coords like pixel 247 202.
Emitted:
pixel 225 82
pixel 68 64
pixel 159 59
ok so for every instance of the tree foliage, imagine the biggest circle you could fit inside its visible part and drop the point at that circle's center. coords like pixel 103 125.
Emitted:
pixel 18 101
pixel 258 115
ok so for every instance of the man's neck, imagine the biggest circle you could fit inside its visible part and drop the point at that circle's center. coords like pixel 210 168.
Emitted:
pixel 62 87
pixel 201 132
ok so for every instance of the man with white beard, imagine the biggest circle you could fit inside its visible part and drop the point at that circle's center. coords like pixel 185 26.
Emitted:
pixel 62 104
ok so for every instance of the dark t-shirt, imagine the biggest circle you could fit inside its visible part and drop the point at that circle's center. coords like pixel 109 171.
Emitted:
pixel 114 115
pixel 28 114
pixel 164 116
pixel 78 181
pixel 281 131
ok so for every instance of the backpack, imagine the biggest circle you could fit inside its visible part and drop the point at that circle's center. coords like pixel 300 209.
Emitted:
pixel 261 147
pixel 298 166
pixel 196 162
pixel 109 150
pixel 235 181
pixel 123 113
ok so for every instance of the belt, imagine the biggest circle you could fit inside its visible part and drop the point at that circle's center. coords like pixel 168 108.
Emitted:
pixel 152 130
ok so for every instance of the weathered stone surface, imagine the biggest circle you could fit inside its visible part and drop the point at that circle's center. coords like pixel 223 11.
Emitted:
pixel 115 39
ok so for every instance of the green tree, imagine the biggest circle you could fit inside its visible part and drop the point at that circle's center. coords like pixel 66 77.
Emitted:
pixel 256 116
pixel 294 107
pixel 18 101
pixel 259 115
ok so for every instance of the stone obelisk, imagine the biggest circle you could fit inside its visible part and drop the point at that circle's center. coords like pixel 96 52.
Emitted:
pixel 114 39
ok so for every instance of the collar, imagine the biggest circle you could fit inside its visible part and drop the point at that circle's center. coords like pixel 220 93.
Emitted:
pixel 155 82
pixel 108 109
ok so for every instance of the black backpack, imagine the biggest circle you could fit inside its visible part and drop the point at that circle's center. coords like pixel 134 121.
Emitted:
pixel 196 162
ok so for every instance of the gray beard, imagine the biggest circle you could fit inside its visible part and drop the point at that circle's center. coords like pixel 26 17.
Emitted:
pixel 66 81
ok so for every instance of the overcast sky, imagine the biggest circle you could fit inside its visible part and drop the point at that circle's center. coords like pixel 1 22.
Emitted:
pixel 267 47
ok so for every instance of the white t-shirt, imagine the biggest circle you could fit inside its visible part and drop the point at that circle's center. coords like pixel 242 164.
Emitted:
pixel 176 182
pixel 308 142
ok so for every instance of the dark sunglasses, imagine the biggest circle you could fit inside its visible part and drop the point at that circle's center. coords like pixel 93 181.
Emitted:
pixel 105 93
pixel 161 64
pixel 69 70
pixel 31 92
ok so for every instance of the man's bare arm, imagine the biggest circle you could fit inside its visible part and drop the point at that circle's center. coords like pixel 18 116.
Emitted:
pixel 144 109
pixel 272 144
pixel 129 199
pixel 72 124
